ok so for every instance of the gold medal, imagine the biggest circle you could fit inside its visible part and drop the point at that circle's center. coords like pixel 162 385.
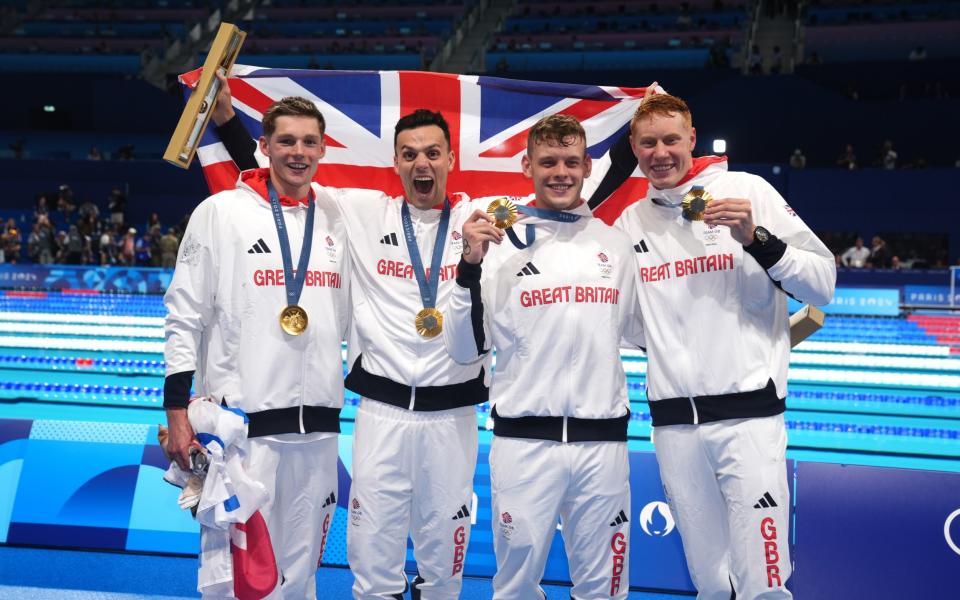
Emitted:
pixel 694 203
pixel 293 320
pixel 429 322
pixel 503 211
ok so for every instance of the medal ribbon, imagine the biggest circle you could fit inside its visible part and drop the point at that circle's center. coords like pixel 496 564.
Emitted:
pixel 543 213
pixel 294 283
pixel 428 290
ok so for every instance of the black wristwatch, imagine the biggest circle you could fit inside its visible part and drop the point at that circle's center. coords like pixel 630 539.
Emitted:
pixel 766 248
pixel 761 235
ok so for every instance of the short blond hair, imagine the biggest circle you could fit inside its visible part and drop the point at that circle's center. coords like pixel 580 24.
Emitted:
pixel 558 128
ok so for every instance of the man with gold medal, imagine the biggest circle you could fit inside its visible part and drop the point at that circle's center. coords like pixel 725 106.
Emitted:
pixel 717 253
pixel 554 301
pixel 415 436
pixel 258 314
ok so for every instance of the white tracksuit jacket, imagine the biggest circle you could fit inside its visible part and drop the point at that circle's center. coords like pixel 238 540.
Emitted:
pixel 225 300
pixel 396 365
pixel 715 312
pixel 556 313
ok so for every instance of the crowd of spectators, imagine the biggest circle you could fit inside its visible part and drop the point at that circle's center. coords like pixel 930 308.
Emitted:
pixel 886 158
pixel 61 232
pixel 20 149
pixel 906 251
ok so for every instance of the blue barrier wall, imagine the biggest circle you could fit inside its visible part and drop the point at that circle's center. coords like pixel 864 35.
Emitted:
pixel 98 485
pixel 138 280
pixel 96 103
pixel 150 185
pixel 127 64
pixel 867 532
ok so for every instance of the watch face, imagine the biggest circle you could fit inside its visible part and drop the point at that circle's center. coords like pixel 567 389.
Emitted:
pixel 761 235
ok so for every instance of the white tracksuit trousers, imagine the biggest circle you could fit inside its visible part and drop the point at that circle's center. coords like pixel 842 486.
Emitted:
pixel 412 473
pixel 726 485
pixel 302 480
pixel 586 485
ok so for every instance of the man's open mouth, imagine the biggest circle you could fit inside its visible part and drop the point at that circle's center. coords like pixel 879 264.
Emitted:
pixel 423 185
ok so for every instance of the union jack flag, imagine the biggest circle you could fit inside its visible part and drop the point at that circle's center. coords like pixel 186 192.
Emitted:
pixel 489 119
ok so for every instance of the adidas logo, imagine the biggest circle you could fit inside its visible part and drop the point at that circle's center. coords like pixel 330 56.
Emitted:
pixel 462 513
pixel 390 239
pixel 529 269
pixel 331 499
pixel 259 248
pixel 641 247
pixel 620 520
pixel 766 501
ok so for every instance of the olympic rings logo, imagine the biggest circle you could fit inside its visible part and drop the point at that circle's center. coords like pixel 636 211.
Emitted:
pixel 946 531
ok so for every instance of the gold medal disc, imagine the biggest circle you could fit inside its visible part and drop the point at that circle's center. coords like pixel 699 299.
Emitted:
pixel 504 212
pixel 293 320
pixel 694 203
pixel 429 322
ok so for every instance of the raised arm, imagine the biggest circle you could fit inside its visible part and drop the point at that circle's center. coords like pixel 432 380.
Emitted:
pixel 466 332
pixel 235 137
pixel 622 163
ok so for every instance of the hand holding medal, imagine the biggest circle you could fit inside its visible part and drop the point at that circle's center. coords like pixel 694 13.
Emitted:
pixel 478 231
pixel 504 212
pixel 734 213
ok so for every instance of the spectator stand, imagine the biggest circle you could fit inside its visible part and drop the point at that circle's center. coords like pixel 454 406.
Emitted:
pixel 873 31
pixel 362 35
pixel 85 36
pixel 574 35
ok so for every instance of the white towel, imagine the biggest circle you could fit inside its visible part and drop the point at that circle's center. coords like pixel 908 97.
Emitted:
pixel 227 501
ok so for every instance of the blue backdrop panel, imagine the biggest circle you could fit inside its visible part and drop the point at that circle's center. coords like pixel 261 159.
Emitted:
pixel 859 301
pixel 142 280
pixel 656 553
pixel 13 446
pixel 878 533
pixel 938 295
pixel 88 484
